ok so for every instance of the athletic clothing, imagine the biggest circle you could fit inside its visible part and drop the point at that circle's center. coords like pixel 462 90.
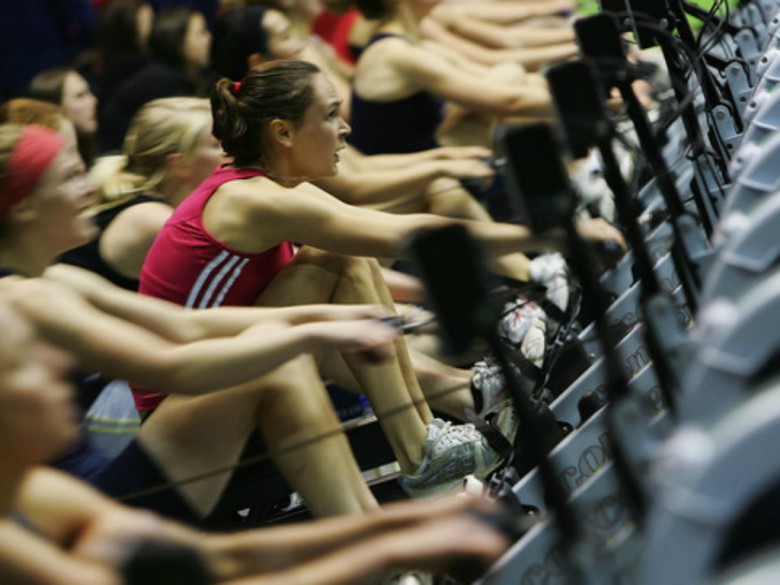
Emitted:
pixel 399 126
pixel 188 266
pixel 88 256
pixel 335 29
pixel 131 472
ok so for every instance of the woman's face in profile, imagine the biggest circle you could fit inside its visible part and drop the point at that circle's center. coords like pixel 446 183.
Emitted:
pixel 79 103
pixel 144 20
pixel 197 42
pixel 61 202
pixel 282 44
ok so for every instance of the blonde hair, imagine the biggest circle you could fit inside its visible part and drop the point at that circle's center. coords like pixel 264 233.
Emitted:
pixel 162 127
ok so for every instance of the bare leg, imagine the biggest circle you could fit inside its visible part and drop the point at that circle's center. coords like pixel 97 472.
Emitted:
pixel 190 436
pixel 390 386
pixel 446 387
pixel 463 205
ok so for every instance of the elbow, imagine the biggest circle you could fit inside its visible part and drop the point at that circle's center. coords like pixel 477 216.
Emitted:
pixel 529 104
pixel 516 106
pixel 344 189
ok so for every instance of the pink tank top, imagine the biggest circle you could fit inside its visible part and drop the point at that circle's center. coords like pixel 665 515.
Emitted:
pixel 188 266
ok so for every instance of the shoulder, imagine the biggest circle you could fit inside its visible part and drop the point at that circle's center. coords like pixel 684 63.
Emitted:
pixel 63 277
pixel 143 217
pixel 258 191
pixel 386 47
pixel 31 295
pixel 401 54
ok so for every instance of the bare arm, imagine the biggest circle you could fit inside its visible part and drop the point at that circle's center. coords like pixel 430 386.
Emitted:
pixel 127 240
pixel 377 187
pixel 81 528
pixel 499 36
pixel 26 559
pixel 408 534
pixel 313 217
pixel 71 520
pixel 433 545
pixel 509 12
pixel 121 349
pixel 433 72
pixel 402 160
pixel 530 56
pixel 175 323
pixel 318 219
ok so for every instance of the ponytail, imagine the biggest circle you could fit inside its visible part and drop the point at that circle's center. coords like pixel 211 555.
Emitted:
pixel 241 111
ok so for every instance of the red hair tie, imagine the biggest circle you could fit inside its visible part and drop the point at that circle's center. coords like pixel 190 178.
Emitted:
pixel 236 86
pixel 34 151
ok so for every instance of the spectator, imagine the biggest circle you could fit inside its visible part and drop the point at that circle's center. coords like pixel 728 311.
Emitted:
pixel 179 46
pixel 67 88
pixel 123 33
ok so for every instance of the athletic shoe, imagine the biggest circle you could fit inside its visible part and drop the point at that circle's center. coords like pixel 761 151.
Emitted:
pixel 488 386
pixel 516 320
pixel 413 577
pixel 450 453
pixel 534 342
pixel 507 421
pixel 551 271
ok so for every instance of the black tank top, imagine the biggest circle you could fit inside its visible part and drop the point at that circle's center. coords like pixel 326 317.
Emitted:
pixel 88 255
pixel 405 125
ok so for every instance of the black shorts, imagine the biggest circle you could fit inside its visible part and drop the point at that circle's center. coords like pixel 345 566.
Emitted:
pixel 136 480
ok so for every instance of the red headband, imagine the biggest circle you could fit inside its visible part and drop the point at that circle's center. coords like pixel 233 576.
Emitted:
pixel 32 155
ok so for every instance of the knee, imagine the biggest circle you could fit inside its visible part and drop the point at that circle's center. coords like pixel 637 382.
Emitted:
pixel 452 200
pixel 295 398
pixel 295 384
pixel 359 269
pixel 336 263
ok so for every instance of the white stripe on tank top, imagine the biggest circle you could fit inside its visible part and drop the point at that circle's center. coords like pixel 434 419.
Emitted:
pixel 212 276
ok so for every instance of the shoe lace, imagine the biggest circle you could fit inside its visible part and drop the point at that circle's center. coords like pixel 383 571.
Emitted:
pixel 452 435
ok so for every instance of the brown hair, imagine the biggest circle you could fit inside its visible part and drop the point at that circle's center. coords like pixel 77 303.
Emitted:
pixel 372 9
pixel 276 90
pixel 48 86
pixel 117 28
pixel 29 111
pixel 169 31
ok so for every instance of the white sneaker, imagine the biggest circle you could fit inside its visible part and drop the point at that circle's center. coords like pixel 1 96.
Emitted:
pixel 488 386
pixel 517 319
pixel 413 577
pixel 450 453
pixel 551 271
pixel 507 420
pixel 535 342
